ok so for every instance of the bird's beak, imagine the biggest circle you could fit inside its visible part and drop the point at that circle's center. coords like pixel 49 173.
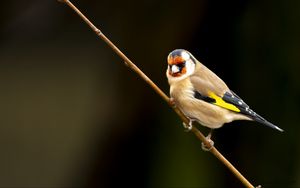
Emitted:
pixel 174 69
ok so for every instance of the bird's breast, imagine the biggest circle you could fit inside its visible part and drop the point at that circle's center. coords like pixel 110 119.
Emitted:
pixel 182 90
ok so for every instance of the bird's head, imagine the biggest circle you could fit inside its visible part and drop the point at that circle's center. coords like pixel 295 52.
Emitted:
pixel 181 64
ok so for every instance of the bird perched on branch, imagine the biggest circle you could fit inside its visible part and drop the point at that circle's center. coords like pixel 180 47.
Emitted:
pixel 203 97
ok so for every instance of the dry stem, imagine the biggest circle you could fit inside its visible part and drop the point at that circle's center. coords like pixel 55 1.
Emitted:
pixel 131 65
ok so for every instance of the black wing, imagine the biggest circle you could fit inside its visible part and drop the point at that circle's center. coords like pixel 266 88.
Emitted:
pixel 199 96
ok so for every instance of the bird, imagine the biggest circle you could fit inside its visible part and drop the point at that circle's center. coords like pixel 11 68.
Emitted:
pixel 204 97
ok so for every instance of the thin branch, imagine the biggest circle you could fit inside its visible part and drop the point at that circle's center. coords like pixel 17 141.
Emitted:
pixel 132 66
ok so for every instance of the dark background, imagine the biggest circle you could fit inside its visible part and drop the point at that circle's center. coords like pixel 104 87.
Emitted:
pixel 72 115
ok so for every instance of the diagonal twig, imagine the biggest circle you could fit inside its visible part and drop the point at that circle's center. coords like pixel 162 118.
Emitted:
pixel 132 66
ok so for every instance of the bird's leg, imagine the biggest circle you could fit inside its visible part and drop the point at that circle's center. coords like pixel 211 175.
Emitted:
pixel 208 138
pixel 189 126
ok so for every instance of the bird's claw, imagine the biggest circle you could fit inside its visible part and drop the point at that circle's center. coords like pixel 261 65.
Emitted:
pixel 188 127
pixel 205 147
pixel 172 102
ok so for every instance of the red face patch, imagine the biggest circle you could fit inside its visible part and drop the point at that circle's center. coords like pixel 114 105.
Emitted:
pixel 176 60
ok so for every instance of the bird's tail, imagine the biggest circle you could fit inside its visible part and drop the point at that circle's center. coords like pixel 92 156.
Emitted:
pixel 261 120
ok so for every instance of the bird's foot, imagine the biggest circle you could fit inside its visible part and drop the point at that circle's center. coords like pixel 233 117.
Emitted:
pixel 259 186
pixel 188 127
pixel 172 102
pixel 205 147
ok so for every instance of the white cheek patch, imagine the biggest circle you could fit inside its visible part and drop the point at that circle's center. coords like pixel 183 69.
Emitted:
pixel 175 69
pixel 190 67
pixel 185 55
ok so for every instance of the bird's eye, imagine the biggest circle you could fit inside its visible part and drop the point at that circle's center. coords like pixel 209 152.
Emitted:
pixel 181 65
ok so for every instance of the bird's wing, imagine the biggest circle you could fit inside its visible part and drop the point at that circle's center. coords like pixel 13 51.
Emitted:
pixel 212 98
pixel 231 101
pixel 210 88
pixel 231 98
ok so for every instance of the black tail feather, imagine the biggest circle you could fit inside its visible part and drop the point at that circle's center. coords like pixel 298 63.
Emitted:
pixel 261 120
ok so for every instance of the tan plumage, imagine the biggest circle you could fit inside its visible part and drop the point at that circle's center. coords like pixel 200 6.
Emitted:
pixel 202 96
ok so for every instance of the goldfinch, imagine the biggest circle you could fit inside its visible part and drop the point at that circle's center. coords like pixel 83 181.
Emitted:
pixel 202 96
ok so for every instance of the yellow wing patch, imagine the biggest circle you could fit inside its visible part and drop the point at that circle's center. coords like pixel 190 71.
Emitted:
pixel 220 102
